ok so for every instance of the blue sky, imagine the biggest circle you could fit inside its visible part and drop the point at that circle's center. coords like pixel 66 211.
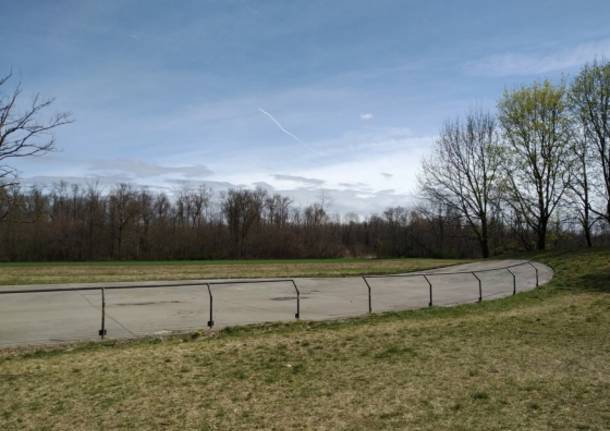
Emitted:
pixel 339 99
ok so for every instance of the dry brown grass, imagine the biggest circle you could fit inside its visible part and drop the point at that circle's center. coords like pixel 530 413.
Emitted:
pixel 547 368
pixel 43 273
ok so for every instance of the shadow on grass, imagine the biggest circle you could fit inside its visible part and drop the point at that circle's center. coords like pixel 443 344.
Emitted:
pixel 598 281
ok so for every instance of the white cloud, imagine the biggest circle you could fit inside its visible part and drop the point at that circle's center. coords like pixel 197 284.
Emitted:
pixel 360 168
pixel 366 116
pixel 361 171
pixel 142 169
pixel 534 63
pixel 298 179
pixel 364 170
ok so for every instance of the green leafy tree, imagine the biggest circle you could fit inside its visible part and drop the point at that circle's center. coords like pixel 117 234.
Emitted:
pixel 537 131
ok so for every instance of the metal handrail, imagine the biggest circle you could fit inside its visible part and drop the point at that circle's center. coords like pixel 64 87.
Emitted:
pixel 143 286
pixel 480 286
pixel 425 275
pixel 102 289
pixel 208 284
pixel 419 273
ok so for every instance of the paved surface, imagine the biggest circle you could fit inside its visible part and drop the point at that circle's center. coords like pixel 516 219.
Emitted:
pixel 58 317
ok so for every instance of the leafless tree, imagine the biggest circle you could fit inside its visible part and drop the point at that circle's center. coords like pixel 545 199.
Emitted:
pixel 580 187
pixel 590 100
pixel 242 210
pixel 463 172
pixel 124 209
pixel 23 133
pixel 315 215
pixel 70 223
pixel 277 209
pixel 537 131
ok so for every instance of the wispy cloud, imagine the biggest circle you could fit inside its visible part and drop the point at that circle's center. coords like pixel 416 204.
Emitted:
pixel 342 201
pixel 142 169
pixel 366 116
pixel 358 186
pixel 298 179
pixel 365 171
pixel 534 63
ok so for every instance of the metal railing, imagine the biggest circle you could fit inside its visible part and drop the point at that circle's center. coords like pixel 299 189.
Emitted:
pixel 426 276
pixel 102 289
pixel 297 315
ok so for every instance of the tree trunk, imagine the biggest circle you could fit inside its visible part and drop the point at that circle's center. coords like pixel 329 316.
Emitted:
pixel 586 225
pixel 485 247
pixel 484 238
pixel 541 233
pixel 588 236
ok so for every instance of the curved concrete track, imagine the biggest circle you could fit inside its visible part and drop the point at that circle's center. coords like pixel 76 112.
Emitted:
pixel 58 317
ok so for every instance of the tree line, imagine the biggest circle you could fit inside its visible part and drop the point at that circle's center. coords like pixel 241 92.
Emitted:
pixel 70 222
pixel 532 175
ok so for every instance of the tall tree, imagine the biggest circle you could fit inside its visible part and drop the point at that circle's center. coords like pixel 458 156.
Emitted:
pixel 463 172
pixel 590 100
pixel 537 131
pixel 580 187
pixel 123 210
pixel 242 210
pixel 23 132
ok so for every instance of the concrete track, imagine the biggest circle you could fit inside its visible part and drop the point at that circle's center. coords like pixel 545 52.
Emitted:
pixel 59 317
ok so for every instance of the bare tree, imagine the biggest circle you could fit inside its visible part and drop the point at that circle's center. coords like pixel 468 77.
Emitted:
pixel 242 210
pixel 24 133
pixel 580 186
pixel 123 209
pixel 315 215
pixel 5 202
pixel 199 201
pixel 277 209
pixel 537 130
pixel 70 223
pixel 590 100
pixel 464 170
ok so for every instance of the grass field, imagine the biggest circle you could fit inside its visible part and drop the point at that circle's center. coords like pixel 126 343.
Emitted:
pixel 82 272
pixel 539 360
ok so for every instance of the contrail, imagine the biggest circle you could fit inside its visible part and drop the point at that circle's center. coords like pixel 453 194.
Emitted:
pixel 283 129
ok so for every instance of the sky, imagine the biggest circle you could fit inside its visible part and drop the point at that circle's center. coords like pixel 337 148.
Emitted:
pixel 332 100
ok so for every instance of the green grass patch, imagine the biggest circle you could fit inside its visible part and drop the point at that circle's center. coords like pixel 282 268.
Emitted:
pixel 538 360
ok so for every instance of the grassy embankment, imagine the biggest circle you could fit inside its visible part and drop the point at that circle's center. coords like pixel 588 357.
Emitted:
pixel 539 360
pixel 84 272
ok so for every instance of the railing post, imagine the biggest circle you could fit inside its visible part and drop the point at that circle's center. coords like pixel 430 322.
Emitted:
pixel 535 269
pixel 480 287
pixel 368 286
pixel 102 331
pixel 298 313
pixel 429 288
pixel 514 281
pixel 211 320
